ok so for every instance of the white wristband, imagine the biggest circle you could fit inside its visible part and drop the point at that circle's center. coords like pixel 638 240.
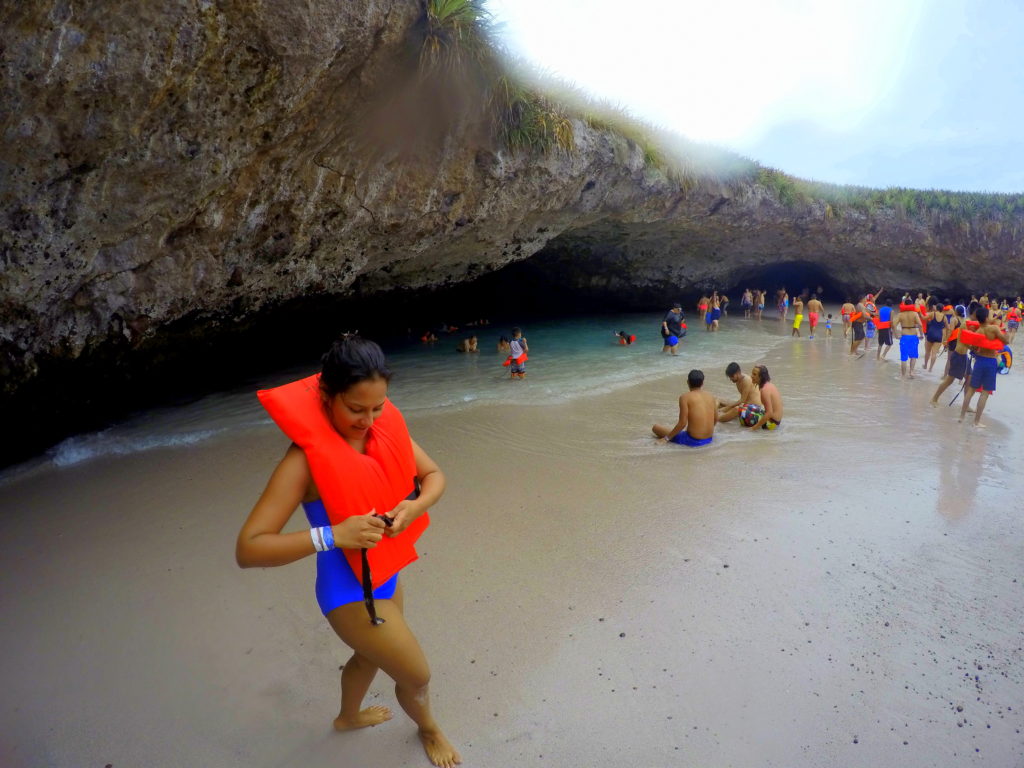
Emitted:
pixel 318 539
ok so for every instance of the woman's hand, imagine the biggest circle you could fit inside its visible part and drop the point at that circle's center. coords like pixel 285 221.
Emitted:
pixel 402 516
pixel 359 531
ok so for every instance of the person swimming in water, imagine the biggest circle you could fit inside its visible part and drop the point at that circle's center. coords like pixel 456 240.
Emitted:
pixel 352 415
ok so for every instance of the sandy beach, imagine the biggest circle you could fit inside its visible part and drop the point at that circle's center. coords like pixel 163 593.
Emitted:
pixel 847 591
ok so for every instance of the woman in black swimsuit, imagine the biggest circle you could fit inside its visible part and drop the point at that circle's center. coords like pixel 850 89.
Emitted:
pixel 933 335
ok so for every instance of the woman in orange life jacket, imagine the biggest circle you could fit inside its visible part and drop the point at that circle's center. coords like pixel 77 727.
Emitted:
pixel 934 333
pixel 349 401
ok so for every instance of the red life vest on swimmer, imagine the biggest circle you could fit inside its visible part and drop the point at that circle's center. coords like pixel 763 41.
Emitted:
pixel 855 316
pixel 886 322
pixel 975 339
pixel 353 483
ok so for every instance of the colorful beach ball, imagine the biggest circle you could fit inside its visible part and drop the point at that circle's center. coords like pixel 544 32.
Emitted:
pixel 1005 360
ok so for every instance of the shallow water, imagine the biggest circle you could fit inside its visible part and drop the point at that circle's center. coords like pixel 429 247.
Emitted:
pixel 570 358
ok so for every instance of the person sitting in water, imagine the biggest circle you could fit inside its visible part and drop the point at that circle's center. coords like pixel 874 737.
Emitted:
pixel 503 344
pixel 749 408
pixel 697 415
pixel 468 345
pixel 769 396
pixel 625 338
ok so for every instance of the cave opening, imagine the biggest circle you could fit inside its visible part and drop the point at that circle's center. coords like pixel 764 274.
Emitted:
pixel 797 277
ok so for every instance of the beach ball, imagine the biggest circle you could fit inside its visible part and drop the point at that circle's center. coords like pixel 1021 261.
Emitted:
pixel 1005 360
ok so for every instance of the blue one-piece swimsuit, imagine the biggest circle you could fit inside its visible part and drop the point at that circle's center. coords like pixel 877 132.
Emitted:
pixel 336 584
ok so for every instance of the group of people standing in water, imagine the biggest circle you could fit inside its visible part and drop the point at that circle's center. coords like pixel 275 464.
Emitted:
pixel 975 335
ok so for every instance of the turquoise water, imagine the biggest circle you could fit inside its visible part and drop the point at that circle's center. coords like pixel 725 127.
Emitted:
pixel 570 358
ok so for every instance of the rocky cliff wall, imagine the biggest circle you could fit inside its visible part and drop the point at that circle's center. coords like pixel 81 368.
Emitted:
pixel 179 170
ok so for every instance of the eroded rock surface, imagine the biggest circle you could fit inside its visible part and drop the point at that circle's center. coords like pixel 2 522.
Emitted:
pixel 178 169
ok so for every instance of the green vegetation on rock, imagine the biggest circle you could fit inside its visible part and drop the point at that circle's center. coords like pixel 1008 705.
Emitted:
pixel 534 113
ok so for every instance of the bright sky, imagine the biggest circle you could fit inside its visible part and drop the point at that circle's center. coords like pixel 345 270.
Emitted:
pixel 911 93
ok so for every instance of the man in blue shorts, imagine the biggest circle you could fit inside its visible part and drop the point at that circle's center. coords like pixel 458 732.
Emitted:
pixel 697 416
pixel 672 329
pixel 986 366
pixel 909 323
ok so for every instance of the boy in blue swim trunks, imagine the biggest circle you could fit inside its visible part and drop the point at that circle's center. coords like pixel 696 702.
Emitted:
pixel 986 366
pixel 909 323
pixel 697 416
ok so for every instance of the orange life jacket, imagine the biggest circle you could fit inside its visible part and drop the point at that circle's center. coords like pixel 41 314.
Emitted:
pixel 349 482
pixel 975 339
pixel 517 360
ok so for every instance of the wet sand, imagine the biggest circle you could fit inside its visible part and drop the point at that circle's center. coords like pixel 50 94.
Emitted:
pixel 848 591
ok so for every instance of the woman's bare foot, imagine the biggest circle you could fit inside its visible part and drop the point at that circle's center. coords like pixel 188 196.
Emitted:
pixel 440 752
pixel 370 716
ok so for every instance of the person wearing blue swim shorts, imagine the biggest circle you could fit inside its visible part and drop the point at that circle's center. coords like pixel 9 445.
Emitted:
pixel 697 416
pixel 672 328
pixel 353 389
pixel 986 366
pixel 909 323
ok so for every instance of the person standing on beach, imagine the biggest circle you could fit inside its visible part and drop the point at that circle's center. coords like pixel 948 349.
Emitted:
pixel 814 311
pixel 770 396
pixel 1013 318
pixel 909 323
pixel 935 332
pixel 761 297
pixel 697 415
pixel 883 322
pixel 857 321
pixel 986 366
pixel 798 315
pixel 355 448
pixel 846 311
pixel 672 328
pixel 958 367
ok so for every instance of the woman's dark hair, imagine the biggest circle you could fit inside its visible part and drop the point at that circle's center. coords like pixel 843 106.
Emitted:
pixel 350 360
pixel 762 376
